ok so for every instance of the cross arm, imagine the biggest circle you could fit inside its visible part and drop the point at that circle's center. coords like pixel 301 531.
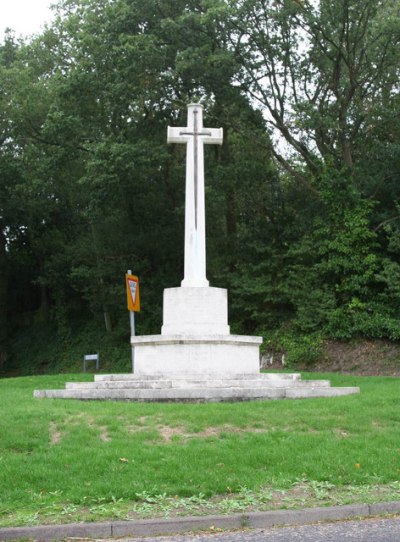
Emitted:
pixel 214 136
pixel 174 135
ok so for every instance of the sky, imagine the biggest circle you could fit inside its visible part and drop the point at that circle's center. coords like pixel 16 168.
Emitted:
pixel 26 17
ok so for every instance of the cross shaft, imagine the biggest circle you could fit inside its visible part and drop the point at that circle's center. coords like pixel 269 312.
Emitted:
pixel 195 136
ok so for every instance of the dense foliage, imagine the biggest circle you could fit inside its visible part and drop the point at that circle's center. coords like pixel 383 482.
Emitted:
pixel 302 199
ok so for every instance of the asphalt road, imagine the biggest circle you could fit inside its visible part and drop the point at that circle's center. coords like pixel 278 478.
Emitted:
pixel 366 530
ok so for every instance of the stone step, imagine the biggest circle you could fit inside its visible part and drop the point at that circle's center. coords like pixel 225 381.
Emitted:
pixel 196 394
pixel 193 384
pixel 196 376
pixel 120 384
pixel 293 393
pixel 298 384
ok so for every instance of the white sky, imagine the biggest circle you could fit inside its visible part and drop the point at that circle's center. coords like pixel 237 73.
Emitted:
pixel 26 17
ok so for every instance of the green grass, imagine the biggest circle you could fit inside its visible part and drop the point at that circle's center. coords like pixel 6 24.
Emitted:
pixel 64 460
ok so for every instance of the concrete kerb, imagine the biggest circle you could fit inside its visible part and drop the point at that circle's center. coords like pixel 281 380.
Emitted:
pixel 180 525
pixel 47 533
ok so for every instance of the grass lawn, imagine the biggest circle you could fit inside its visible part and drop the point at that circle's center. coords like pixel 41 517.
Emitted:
pixel 66 460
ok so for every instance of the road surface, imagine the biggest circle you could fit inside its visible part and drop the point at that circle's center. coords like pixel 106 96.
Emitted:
pixel 366 530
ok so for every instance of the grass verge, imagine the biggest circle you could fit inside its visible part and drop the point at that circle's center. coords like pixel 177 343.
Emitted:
pixel 63 461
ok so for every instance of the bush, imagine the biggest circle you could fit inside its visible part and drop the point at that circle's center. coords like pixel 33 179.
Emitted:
pixel 297 348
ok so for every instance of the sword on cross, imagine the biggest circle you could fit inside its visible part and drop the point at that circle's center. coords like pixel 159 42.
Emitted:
pixel 194 135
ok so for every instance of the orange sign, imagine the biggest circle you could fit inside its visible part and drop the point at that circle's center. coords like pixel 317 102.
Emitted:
pixel 132 292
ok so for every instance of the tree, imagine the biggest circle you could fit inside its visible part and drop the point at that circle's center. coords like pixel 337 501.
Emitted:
pixel 308 240
pixel 94 96
pixel 320 70
pixel 323 74
pixel 10 175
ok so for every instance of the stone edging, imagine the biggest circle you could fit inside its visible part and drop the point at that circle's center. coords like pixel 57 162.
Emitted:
pixel 180 525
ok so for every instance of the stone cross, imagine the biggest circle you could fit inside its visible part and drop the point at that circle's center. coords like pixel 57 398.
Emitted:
pixel 194 135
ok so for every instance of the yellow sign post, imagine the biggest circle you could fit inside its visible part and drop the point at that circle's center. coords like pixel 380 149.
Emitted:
pixel 133 298
pixel 132 292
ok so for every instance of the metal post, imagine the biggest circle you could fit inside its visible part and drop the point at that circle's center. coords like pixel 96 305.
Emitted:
pixel 132 323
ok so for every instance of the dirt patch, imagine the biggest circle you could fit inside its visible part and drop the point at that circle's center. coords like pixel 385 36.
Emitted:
pixel 167 433
pixel 359 358
pixel 374 358
pixel 55 435
pixel 341 433
pixel 104 435
pixel 78 419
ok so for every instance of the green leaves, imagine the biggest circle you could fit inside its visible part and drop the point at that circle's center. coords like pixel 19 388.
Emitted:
pixel 304 234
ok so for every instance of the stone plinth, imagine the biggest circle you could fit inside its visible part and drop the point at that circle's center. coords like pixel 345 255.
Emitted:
pixel 195 311
pixel 196 354
pixel 195 337
pixel 196 359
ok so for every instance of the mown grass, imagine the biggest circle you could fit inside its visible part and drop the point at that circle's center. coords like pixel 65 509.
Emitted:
pixel 63 460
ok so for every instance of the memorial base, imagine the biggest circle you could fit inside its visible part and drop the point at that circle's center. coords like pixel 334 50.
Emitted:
pixel 196 354
pixel 196 359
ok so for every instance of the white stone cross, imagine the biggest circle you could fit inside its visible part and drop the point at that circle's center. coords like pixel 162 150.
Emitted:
pixel 195 136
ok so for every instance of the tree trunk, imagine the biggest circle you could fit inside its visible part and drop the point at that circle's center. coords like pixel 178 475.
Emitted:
pixel 107 320
pixel 44 309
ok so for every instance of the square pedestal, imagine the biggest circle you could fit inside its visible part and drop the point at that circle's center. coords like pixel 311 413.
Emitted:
pixel 207 354
pixel 195 311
